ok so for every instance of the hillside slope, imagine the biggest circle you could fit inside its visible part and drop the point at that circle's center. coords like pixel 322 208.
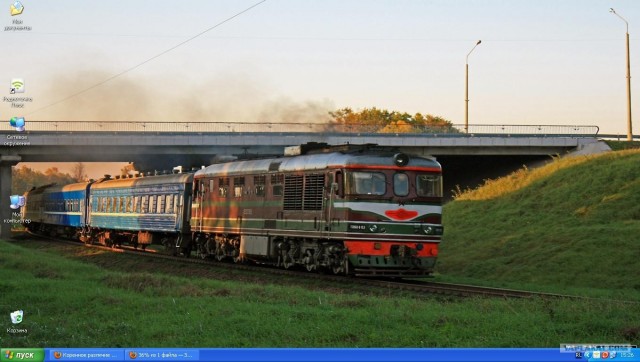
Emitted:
pixel 572 223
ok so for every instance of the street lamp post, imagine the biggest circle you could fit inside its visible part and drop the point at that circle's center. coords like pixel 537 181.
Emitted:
pixel 466 90
pixel 629 126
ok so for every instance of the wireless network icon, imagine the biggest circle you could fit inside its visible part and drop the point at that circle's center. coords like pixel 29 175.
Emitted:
pixel 17 86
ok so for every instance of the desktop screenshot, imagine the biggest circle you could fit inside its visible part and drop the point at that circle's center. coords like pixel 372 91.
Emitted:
pixel 319 181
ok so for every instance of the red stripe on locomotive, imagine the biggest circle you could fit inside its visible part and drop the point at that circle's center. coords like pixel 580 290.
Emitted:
pixel 383 248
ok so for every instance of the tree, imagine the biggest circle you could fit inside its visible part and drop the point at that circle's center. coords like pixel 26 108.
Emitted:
pixel 24 178
pixel 384 121
pixel 79 172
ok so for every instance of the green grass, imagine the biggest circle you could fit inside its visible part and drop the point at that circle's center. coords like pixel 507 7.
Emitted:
pixel 70 302
pixel 572 225
pixel 623 145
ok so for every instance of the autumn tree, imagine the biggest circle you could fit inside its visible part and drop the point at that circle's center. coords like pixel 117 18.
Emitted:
pixel 24 178
pixel 79 172
pixel 384 121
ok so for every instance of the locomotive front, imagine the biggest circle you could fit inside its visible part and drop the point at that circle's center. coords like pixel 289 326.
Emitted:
pixel 392 211
pixel 362 212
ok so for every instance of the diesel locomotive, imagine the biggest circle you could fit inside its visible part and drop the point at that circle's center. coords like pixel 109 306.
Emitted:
pixel 357 211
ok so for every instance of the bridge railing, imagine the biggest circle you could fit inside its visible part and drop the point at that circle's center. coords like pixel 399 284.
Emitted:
pixel 249 127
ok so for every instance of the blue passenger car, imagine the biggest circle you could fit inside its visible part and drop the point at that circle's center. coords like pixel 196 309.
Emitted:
pixel 141 211
pixel 59 210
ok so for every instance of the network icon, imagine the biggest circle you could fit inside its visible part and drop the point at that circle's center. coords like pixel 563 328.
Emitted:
pixel 17 123
pixel 17 86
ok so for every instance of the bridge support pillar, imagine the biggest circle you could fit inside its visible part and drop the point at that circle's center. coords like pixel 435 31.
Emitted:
pixel 6 161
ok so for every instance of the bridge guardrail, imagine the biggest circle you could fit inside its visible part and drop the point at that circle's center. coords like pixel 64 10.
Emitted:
pixel 337 128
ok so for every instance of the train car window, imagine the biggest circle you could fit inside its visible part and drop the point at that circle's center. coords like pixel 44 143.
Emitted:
pixel 401 184
pixel 211 186
pixel 152 204
pixel 109 203
pixel 259 183
pixel 276 185
pixel 128 205
pixel 238 186
pixel 223 186
pixel 145 204
pixel 122 204
pixel 160 204
pixel 367 183
pixel 136 204
pixel 168 205
pixel 175 204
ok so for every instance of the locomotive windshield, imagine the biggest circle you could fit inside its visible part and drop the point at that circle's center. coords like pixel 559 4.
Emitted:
pixel 367 183
pixel 429 185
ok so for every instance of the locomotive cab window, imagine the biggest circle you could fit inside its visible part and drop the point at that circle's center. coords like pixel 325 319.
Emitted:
pixel 367 183
pixel 429 185
pixel 401 184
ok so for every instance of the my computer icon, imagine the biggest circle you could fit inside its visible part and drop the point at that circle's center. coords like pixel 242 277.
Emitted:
pixel 17 123
pixel 17 201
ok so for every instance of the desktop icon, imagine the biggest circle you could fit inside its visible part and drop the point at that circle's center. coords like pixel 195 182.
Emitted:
pixel 16 8
pixel 133 355
pixel 613 354
pixel 17 86
pixel 57 354
pixel 8 354
pixel 16 317
pixel 17 123
pixel 17 201
pixel 604 354
pixel 578 355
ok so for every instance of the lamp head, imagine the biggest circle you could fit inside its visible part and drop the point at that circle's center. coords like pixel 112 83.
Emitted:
pixel 612 11
pixel 479 41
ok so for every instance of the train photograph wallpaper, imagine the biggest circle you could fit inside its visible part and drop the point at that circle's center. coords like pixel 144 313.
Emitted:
pixel 319 174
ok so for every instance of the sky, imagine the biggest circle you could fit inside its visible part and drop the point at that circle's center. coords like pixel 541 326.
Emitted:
pixel 540 62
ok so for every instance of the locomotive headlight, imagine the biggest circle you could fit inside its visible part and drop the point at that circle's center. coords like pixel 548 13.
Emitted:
pixel 428 230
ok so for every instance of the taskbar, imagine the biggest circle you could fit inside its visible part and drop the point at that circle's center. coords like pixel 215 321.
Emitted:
pixel 316 355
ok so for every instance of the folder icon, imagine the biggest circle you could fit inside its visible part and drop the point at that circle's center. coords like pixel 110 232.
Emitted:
pixel 16 8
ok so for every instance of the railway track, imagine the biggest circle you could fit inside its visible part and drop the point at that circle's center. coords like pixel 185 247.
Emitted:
pixel 425 287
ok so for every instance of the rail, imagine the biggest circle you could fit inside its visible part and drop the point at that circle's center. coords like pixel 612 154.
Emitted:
pixel 335 128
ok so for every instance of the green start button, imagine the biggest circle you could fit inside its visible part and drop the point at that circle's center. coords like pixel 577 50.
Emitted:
pixel 22 354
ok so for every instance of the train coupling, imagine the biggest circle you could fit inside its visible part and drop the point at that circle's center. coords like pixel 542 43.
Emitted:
pixel 403 251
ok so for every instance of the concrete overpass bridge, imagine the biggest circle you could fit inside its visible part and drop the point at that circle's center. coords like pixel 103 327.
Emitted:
pixel 486 151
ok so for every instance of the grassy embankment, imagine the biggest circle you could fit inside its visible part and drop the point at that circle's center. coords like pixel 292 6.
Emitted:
pixel 570 226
